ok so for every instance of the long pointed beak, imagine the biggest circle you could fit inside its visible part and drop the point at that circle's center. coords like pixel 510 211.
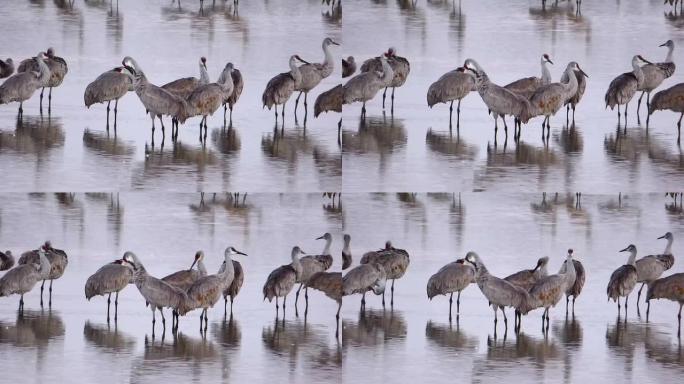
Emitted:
pixel 661 237
pixel 302 60
pixel 663 45
pixel 583 74
pixel 336 43
pixel 302 252
pixel 646 61
pixel 319 238
pixel 624 250
pixel 549 60
pixel 536 267
pixel 193 263
pixel 240 253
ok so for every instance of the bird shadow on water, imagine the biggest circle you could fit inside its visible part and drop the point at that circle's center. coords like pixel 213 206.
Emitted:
pixel 286 146
pixel 374 327
pixel 176 159
pixel 34 135
pixel 32 328
pixel 227 332
pixel 226 140
pixel 107 145
pixel 450 337
pixel 296 340
pixel 108 337
pixel 450 145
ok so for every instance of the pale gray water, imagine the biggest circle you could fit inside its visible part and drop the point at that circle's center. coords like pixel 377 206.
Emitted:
pixel 72 152
pixel 414 150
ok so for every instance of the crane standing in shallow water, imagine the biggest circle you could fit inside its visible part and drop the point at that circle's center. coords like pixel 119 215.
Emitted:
pixel 622 89
pixel 21 86
pixel 650 268
pixel 364 278
pixel 111 85
pixel 575 289
pixel 22 278
pixel 548 291
pixel 452 86
pixel 395 262
pixel 234 288
pixel 232 97
pixel 184 87
pixel 207 99
pixel 280 88
pixel 453 277
pixel 575 99
pixel 654 74
pixel 58 262
pixel 672 99
pixel 624 279
pixel 365 85
pixel 313 73
pixel 58 70
pixel 526 279
pixel 671 288
pixel 400 69
pixel 281 281
pixel 313 264
pixel 111 278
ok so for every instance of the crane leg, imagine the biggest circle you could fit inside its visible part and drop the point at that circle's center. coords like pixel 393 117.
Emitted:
pixel 567 301
pixel 21 110
pixel 297 103
pixel 458 115
pixel 161 312
pixel 626 105
pixel 41 100
pixel 50 295
pixel 618 114
pixel 648 309
pixel 639 294
pixel 384 94
pixel 679 127
pixel 495 318
pixel 505 318
pixel 392 295
pixel 679 320
pixel 383 299
pixel 206 319
pixel 109 102
pixel 451 111
pixel 284 301
pixel 458 304
pixel 392 108
pixel 231 305
pixel 306 105
pixel 297 295
pixel 451 300
pixel 363 300
pixel 201 317
pixel 225 305
pixel 573 113
pixel 109 301
pixel 42 286
pixel 276 307
pixel 275 108
pixel 50 101
pixel 639 102
pixel 306 296
pixel 116 110
pixel 231 115
pixel 573 305
pixel 626 300
pixel 282 114
pixel 21 302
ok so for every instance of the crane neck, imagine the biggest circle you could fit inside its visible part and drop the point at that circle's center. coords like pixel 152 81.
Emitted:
pixel 632 258
pixel 201 268
pixel 329 60
pixel 387 72
pixel 226 78
pixel 294 71
pixel 204 75
pixel 295 260
pixel 571 85
pixel 542 271
pixel 570 267
pixel 44 263
pixel 346 249
pixel 638 73
pixel 326 249
pixel 44 70
pixel 668 58
pixel 668 247
pixel 545 73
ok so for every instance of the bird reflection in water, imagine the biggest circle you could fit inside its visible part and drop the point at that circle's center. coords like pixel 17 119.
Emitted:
pixel 286 146
pixel 333 12
pixel 107 145
pixel 375 135
pixel 288 339
pixel 374 327
pixel 570 140
pixel 180 346
pixel 227 332
pixel 449 145
pixel 569 332
pixel 227 140
pixel 159 162
pixel 108 337
pixel 34 135
pixel 32 329
pixel 450 337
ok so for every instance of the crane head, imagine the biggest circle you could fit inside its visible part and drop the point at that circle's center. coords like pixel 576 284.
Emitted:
pixel 641 58
pixel 203 61
pixel 50 52
pixel 669 44
pixel 546 58
pixel 630 248
pixel 233 251
pixel 326 236
pixel 300 59
pixel 667 236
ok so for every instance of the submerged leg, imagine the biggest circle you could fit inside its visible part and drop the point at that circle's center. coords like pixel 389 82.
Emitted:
pixel 384 94
pixel 451 300
pixel 109 301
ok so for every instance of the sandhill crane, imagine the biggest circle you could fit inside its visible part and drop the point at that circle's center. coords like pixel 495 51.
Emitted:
pixel 548 291
pixel 157 101
pixel 348 66
pixel 499 100
pixel 499 292
pixel 622 88
pixel 330 100
pixel 575 99
pixel 21 86
pixel 575 289
pixel 184 278
pixel 655 73
pixel 6 260
pixel 313 73
pixel 58 70
pixel 452 86
pixel 400 69
pixel 58 263
pixel 111 85
pixel 281 281
pixel 526 278
pixel 234 288
pixel 548 99
pixel 651 267
pixel 157 293
pixel 346 252
pixel 23 278
pixel 6 68
pixel 624 279
pixel 207 99
pixel 206 291
pixel 280 88
pixel 364 278
pixel 313 264
pixel 110 278
pixel 672 99
pixel 453 277
pixel 183 87
pixel 329 283
pixel 394 260
pixel 671 288
pixel 528 85
pixel 230 98
pixel 365 85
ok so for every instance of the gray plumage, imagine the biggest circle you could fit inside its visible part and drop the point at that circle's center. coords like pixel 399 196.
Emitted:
pixel 6 68
pixel 453 277
pixel 310 265
pixel 623 280
pixel 365 85
pixel 183 87
pixel 313 73
pixel 526 86
pixel 670 99
pixel 364 278
pixel 346 252
pixel 57 65
pixel 112 277
pixel 157 293
pixel 622 88
pixel 329 283
pixel 21 86
pixel 548 99
pixel 6 260
pixel 452 86
pixel 526 278
pixel 22 278
pixel 395 262
pixel 549 290
pixel 575 289
pixel 581 87
pixel 651 267
pixel 655 73
pixel 499 292
pixel 348 66
pixel 230 98
pixel 281 281
pixel 499 100
pixel 111 85
pixel 400 67
pixel 280 88
pixel 234 287
pixel 670 288
pixel 330 100
pixel 58 260
pixel 184 279
pixel 208 98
